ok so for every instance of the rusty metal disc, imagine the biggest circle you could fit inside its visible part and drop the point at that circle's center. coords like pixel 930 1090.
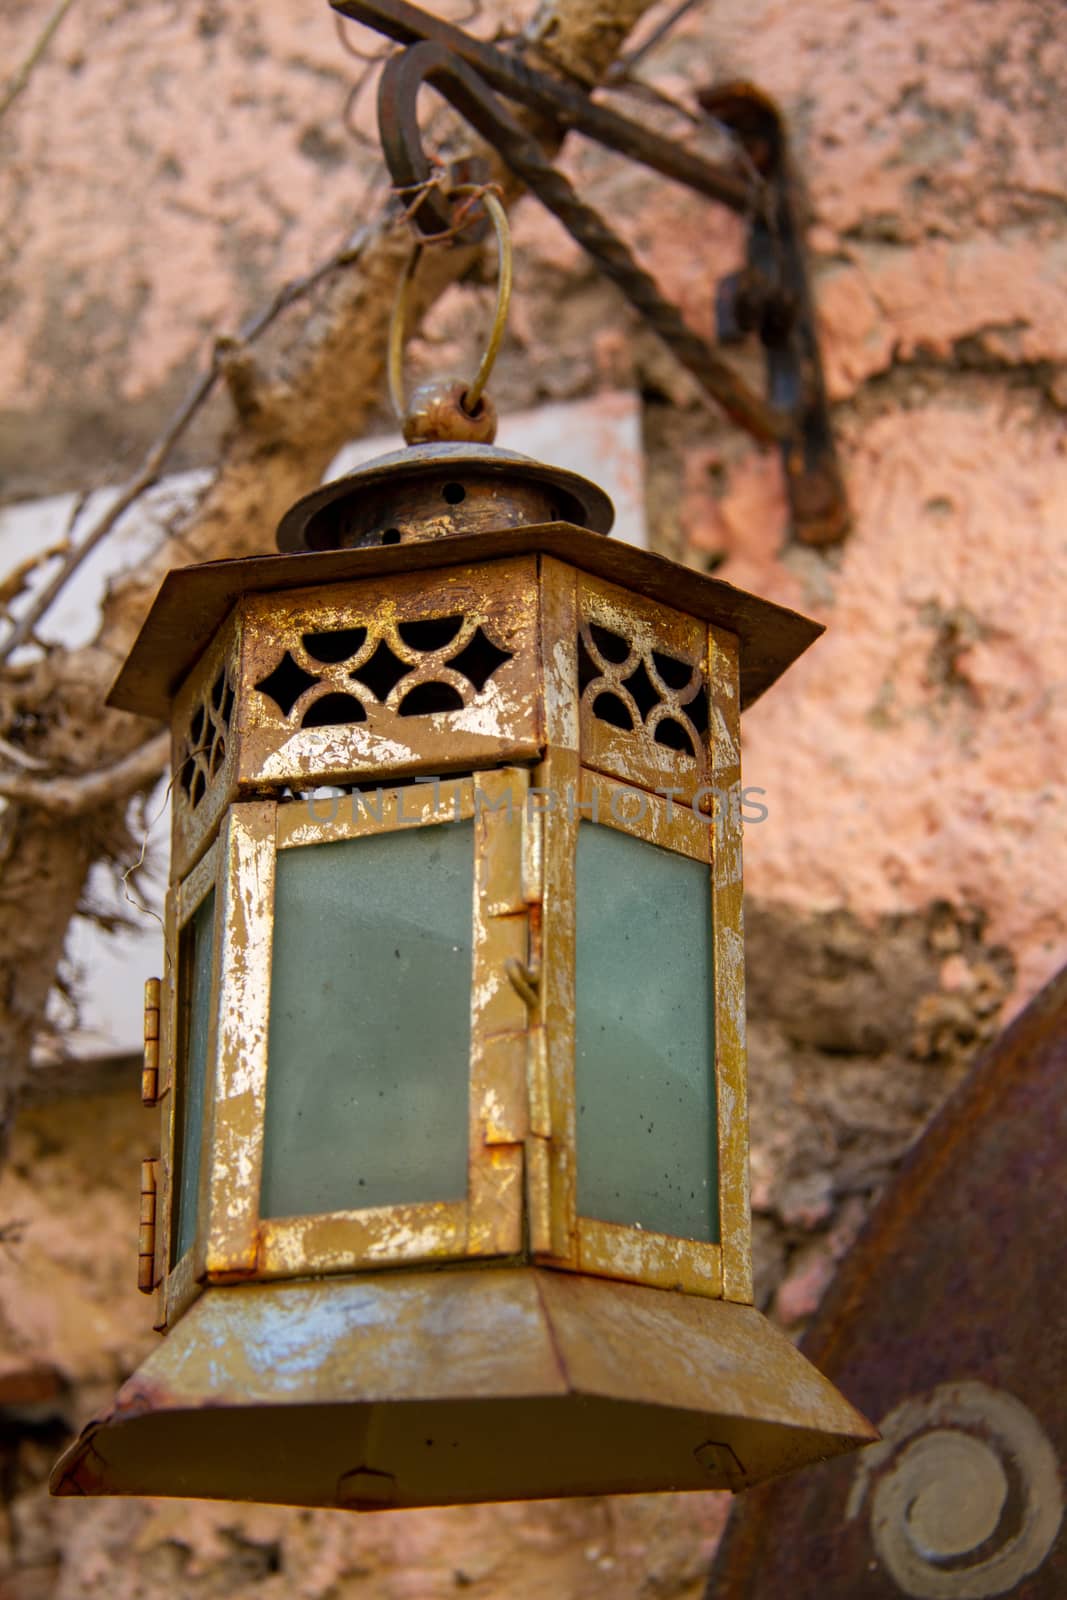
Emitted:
pixel 947 1326
pixel 436 490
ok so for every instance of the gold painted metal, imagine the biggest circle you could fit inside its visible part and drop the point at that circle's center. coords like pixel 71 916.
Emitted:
pixel 234 1242
pixel 552 1181
pixel 603 1248
pixel 194 603
pixel 489 1221
pixel 146 1248
pixel 350 1241
pixel 269 745
pixel 520 675
pixel 363 815
pixel 731 1075
pixel 182 1280
pixel 611 1251
pixel 150 1070
pixel 644 634
pixel 497 722
pixel 558 776
pixel 420 1388
pixel 168 1051
pixel 499 1119
pixel 233 1150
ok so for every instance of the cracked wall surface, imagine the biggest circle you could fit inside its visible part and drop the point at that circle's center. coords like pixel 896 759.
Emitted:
pixel 165 168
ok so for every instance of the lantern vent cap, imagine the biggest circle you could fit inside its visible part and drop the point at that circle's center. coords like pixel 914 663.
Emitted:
pixel 435 490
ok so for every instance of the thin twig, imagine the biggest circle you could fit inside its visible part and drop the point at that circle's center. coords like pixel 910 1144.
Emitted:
pixel 369 57
pixel 298 288
pixel 74 796
pixel 151 467
pixel 135 866
pixel 348 114
pixel 626 64
pixel 21 758
pixel 642 90
pixel 25 71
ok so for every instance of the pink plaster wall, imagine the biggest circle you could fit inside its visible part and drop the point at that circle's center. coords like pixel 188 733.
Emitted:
pixel 169 164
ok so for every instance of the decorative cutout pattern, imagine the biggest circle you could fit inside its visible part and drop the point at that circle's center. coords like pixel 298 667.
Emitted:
pixel 204 748
pixel 415 668
pixel 642 690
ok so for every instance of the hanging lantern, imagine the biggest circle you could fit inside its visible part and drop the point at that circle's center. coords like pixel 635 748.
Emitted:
pixel 452 1203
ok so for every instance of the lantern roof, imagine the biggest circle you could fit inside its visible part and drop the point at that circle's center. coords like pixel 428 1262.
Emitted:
pixel 193 602
pixel 317 521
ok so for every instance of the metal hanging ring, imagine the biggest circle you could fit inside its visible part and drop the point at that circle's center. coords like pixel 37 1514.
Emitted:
pixel 398 324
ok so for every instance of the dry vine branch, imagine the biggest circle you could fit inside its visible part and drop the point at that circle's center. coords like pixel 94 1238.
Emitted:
pixel 287 429
pixel 225 362
pixel 40 45
pixel 75 796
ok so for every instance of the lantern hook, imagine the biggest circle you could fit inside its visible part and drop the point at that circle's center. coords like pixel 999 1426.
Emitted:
pixel 429 62
pixel 470 398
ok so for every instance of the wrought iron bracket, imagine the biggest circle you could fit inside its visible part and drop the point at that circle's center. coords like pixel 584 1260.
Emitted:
pixel 769 300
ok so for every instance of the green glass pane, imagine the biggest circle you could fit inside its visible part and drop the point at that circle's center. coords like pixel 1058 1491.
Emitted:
pixel 367 1083
pixel 197 950
pixel 644 1042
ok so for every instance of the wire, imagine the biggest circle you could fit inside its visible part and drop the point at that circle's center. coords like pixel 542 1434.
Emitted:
pixel 505 272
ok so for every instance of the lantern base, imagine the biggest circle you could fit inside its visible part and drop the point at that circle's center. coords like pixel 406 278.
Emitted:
pixel 420 1388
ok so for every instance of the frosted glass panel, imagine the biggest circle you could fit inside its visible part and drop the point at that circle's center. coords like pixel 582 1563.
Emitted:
pixel 367 1085
pixel 198 947
pixel 644 1037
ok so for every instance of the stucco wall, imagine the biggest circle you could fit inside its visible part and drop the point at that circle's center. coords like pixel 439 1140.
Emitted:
pixel 164 169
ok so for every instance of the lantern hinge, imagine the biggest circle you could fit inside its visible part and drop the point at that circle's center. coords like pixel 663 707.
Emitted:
pixel 150 1071
pixel 146 1249
pixel 533 856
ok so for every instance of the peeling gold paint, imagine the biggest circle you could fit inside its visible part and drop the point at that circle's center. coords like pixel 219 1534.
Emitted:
pixel 608 1250
pixel 346 1241
pixel 731 1071
pixel 649 629
pixel 238 1100
pixel 495 600
pixel 522 1163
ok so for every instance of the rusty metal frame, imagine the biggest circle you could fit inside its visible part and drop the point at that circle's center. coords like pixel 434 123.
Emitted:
pixel 771 299
pixel 648 626
pixel 181 1281
pixel 498 723
pixel 193 826
pixel 489 1221
pixel 731 1064
pixel 194 602
pixel 605 1248
pixel 521 1198
pixel 558 1236
pixel 245 936
pixel 580 1243
pixel 233 1242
